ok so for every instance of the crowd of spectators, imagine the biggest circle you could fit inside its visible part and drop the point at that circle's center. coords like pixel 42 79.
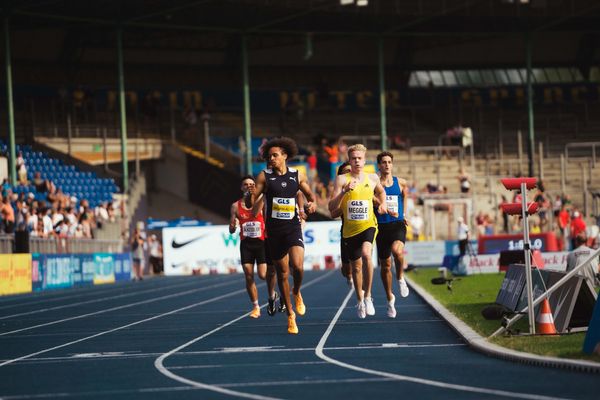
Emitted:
pixel 51 213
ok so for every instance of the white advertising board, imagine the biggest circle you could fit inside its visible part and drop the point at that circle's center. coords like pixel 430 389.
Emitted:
pixel 425 253
pixel 212 249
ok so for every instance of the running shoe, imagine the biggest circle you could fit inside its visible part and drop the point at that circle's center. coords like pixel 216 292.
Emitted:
pixel 282 307
pixel 391 310
pixel 292 327
pixel 361 309
pixel 271 309
pixel 403 287
pixel 300 307
pixel 255 313
pixel 369 306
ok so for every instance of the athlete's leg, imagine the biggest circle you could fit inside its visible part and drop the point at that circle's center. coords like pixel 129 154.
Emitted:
pixel 367 264
pixel 261 270
pixel 283 272
pixel 250 285
pixel 386 276
pixel 398 252
pixel 357 276
pixel 271 278
pixel 296 255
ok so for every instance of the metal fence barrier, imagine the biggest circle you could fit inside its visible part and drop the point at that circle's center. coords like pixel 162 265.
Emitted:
pixel 63 245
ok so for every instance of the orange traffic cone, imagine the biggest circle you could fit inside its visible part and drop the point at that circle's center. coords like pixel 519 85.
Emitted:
pixel 545 321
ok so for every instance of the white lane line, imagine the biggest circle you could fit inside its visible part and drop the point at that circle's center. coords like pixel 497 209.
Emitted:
pixel 99 300
pixel 7 362
pixel 268 364
pixel 52 296
pixel 117 308
pixel 319 352
pixel 108 356
pixel 180 389
pixel 159 362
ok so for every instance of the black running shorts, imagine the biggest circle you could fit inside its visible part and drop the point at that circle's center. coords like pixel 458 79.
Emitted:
pixel 354 243
pixel 388 234
pixel 281 242
pixel 252 250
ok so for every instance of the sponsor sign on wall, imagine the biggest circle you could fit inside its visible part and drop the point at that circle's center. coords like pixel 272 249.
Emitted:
pixel 15 273
pixel 212 249
pixel 104 271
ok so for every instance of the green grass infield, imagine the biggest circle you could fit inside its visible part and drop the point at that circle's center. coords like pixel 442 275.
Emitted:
pixel 470 294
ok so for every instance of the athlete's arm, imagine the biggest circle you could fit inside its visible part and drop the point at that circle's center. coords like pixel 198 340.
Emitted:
pixel 300 204
pixel 403 184
pixel 379 192
pixel 310 205
pixel 339 190
pixel 258 191
pixel 233 218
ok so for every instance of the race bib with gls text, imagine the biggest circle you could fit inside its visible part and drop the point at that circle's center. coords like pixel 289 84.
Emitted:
pixel 283 208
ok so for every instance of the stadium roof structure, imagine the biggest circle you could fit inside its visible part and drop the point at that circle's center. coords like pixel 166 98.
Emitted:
pixel 283 17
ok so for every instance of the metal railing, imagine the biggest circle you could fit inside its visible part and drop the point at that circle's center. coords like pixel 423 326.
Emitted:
pixel 63 245
pixel 582 145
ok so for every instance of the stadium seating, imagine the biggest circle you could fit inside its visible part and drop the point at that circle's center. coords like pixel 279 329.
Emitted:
pixel 72 181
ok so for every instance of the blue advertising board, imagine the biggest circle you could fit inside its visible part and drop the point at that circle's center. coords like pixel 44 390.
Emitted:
pixel 122 266
pixel 104 271
pixel 58 273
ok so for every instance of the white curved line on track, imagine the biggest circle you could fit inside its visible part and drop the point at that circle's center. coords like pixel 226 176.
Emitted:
pixel 319 352
pixel 159 362
pixel 150 290
pixel 117 308
pixel 7 362
pixel 64 294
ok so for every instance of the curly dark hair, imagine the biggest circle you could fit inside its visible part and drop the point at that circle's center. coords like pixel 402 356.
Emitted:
pixel 286 144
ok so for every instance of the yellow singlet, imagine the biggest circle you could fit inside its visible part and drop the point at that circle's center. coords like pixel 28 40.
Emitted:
pixel 357 208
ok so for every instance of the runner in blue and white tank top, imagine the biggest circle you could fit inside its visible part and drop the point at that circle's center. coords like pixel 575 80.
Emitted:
pixel 392 230
pixel 280 184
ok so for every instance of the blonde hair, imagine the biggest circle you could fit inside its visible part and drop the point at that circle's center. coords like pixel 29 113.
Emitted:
pixel 356 147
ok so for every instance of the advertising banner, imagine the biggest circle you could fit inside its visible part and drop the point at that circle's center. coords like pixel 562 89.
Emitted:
pixel 58 273
pixel 15 273
pixel 212 249
pixel 37 272
pixel 104 268
pixel 122 266
pixel 425 254
pixel 83 269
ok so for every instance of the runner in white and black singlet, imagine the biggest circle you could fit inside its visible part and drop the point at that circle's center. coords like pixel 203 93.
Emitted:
pixel 280 184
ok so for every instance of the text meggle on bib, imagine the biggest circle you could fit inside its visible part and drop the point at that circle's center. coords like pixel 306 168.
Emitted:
pixel 283 208
pixel 358 210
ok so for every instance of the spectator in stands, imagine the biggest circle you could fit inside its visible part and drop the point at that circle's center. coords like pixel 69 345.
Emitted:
pixel 557 205
pixel 331 148
pixel 86 226
pixel 465 181
pixel 581 253
pixel 8 216
pixel 101 214
pixel 137 250
pixel 47 226
pixel 399 143
pixel 416 222
pixel 41 185
pixel 564 221
pixel 535 227
pixel 504 200
pixel 543 205
pixel 462 234
pixel 577 227
pixel 21 216
pixel 155 248
pixel 311 160
pixel 22 169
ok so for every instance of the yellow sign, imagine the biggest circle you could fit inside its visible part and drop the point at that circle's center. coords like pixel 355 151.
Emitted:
pixel 15 273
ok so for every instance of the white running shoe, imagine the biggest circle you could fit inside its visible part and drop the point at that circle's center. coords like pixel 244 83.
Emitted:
pixel 369 306
pixel 361 309
pixel 391 310
pixel 403 288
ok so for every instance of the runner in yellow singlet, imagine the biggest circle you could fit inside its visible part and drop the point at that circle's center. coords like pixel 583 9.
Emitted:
pixel 353 197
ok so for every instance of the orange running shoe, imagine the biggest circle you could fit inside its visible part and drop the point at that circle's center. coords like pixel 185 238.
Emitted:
pixel 292 327
pixel 255 313
pixel 300 307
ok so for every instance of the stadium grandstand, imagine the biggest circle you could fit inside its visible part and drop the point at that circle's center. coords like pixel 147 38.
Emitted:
pixel 128 125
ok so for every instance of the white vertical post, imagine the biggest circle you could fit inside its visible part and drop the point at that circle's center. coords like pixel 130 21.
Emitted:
pixel 527 251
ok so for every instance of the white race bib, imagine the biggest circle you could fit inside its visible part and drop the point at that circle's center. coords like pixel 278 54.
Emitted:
pixel 283 208
pixel 392 203
pixel 251 229
pixel 358 210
